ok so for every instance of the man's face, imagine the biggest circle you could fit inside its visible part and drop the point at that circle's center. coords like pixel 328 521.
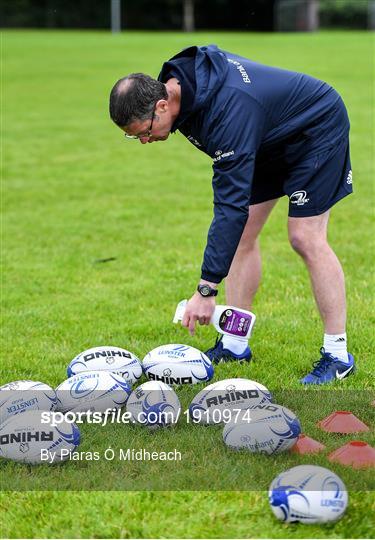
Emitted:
pixel 156 129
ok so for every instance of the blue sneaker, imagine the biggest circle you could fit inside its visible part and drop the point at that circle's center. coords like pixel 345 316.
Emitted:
pixel 218 354
pixel 328 369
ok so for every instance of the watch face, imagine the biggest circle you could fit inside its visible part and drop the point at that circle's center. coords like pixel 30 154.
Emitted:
pixel 204 290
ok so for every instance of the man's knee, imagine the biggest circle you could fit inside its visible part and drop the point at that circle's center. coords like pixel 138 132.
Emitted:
pixel 305 244
pixel 308 236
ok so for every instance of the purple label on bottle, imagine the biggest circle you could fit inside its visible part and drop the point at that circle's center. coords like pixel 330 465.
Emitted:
pixel 235 322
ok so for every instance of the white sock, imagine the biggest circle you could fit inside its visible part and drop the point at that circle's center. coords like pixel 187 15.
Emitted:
pixel 335 344
pixel 234 344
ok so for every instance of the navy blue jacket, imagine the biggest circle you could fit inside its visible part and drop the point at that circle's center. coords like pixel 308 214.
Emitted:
pixel 236 111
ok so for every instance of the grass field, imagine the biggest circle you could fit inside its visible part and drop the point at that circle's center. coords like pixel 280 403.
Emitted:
pixel 75 192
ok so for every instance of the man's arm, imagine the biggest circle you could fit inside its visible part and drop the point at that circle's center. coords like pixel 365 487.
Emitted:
pixel 234 140
pixel 231 209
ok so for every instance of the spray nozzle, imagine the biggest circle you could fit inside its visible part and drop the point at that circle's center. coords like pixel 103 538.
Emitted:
pixel 180 309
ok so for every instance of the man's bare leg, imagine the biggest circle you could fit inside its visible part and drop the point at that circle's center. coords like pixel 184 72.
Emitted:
pixel 308 237
pixel 244 275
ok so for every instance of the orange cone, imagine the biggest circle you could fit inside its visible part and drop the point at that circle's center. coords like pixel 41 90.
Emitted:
pixel 357 454
pixel 307 445
pixel 342 422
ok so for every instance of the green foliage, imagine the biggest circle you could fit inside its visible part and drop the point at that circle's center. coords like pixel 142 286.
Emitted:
pixel 75 191
pixel 343 5
pixel 55 14
pixel 343 13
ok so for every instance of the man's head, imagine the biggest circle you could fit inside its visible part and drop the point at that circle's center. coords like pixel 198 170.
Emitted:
pixel 141 107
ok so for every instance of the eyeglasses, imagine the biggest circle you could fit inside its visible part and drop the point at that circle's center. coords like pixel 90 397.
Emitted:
pixel 147 133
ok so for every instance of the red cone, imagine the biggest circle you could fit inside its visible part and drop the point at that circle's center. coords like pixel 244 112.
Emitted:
pixel 357 454
pixel 342 422
pixel 307 445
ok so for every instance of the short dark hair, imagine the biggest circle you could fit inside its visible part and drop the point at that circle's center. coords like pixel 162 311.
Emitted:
pixel 134 97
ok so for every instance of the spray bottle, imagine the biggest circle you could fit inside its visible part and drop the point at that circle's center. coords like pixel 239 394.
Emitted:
pixel 227 320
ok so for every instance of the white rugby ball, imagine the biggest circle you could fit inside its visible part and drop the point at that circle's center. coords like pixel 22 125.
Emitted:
pixel 308 494
pixel 177 364
pixel 154 404
pixel 20 396
pixel 26 438
pixel 94 391
pixel 268 429
pixel 107 358
pixel 220 401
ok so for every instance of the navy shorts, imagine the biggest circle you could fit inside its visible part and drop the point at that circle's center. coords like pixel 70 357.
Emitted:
pixel 314 183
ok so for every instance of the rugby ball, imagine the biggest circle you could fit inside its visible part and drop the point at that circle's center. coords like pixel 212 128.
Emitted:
pixel 220 401
pixel 108 358
pixel 20 396
pixel 177 364
pixel 268 429
pixel 308 494
pixel 154 404
pixel 94 391
pixel 27 438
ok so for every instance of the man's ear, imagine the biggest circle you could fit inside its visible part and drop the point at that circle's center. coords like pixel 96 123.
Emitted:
pixel 162 106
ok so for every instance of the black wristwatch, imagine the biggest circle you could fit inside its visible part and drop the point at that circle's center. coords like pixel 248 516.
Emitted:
pixel 206 290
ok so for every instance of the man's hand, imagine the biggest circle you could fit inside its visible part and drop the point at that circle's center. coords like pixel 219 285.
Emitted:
pixel 198 309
